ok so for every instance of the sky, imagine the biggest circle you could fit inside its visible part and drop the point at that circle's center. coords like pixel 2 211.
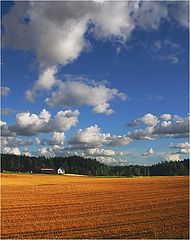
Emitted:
pixel 105 80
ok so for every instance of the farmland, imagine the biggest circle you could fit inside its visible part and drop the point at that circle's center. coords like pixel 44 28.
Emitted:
pixel 47 206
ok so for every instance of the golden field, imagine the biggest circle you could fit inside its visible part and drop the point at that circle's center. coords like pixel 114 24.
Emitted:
pixel 50 207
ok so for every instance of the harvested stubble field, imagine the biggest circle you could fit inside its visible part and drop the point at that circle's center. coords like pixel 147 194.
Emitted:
pixel 49 207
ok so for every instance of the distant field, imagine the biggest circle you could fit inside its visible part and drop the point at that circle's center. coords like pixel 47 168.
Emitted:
pixel 45 206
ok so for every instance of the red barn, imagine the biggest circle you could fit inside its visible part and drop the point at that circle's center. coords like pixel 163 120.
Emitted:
pixel 47 170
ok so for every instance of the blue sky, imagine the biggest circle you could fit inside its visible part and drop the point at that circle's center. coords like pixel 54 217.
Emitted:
pixel 114 81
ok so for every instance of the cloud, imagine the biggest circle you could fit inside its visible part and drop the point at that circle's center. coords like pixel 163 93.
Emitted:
pixel 54 32
pixel 171 157
pixel 45 82
pixel 15 142
pixel 92 137
pixel 57 151
pixel 57 139
pixel 46 152
pixel 11 150
pixel 10 144
pixel 185 145
pixel 148 119
pixel 164 50
pixel 173 128
pixel 5 131
pixel 158 44
pixel 165 117
pixel 8 111
pixel 97 152
pixel 57 33
pixel 73 93
pixel 37 141
pixel 149 152
pixel 134 123
pixel 170 58
pixel 152 97
pixel 176 127
pixel 142 134
pixel 106 156
pixel 180 13
pixel 103 108
pixel 26 152
pixel 31 124
pixel 184 151
pixel 183 148
pixel 5 91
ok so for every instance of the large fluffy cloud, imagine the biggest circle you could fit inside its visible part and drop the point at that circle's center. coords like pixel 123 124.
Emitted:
pixel 57 139
pixel 56 31
pixel 72 93
pixel 31 124
pixel 92 137
pixel 142 134
pixel 148 119
pixel 183 148
pixel 175 126
pixel 11 150
pixel 172 157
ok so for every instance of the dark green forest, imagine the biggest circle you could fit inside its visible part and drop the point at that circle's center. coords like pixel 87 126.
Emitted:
pixel 91 167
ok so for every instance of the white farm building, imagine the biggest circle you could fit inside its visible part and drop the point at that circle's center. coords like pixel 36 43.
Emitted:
pixel 60 170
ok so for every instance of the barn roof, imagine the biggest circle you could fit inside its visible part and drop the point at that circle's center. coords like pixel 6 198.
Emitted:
pixel 47 169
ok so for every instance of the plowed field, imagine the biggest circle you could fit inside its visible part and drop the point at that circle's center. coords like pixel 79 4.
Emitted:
pixel 49 207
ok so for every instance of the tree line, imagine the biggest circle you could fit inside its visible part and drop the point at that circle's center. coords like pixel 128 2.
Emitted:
pixel 91 167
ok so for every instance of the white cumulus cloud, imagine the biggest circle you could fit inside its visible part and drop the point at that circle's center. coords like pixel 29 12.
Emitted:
pixel 11 150
pixel 73 93
pixel 172 157
pixel 92 137
pixel 176 127
pixel 165 117
pixel 183 148
pixel 142 134
pixel 56 32
pixel 32 124
pixel 57 139
pixel 148 119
